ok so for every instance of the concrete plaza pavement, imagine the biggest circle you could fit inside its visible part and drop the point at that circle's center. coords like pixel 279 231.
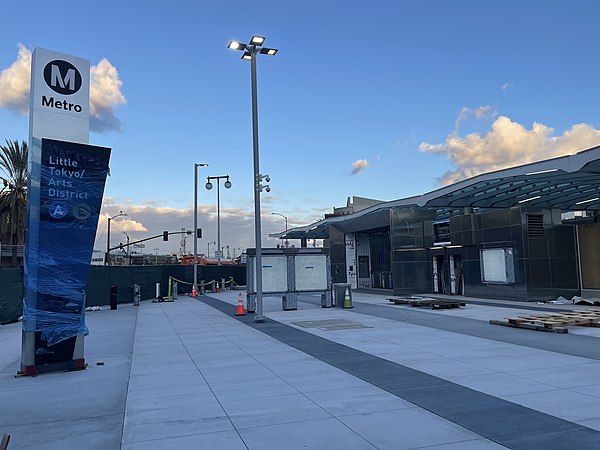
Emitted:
pixel 188 374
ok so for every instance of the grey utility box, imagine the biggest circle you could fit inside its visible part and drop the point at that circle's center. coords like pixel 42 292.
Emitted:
pixel 287 272
pixel 339 293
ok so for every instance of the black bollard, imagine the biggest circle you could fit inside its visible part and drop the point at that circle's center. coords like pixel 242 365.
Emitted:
pixel 113 298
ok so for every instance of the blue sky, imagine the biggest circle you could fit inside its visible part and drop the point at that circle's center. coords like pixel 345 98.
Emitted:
pixel 383 81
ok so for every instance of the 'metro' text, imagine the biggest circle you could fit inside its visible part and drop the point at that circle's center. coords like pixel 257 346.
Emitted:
pixel 60 104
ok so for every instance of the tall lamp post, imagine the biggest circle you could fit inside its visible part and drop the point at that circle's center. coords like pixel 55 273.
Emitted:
pixel 127 251
pixel 208 251
pixel 250 51
pixel 195 285
pixel 121 213
pixel 286 222
pixel 209 186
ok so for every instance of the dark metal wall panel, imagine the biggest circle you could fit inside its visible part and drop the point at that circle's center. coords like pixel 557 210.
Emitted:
pixel 589 245
pixel 411 231
pixel 337 254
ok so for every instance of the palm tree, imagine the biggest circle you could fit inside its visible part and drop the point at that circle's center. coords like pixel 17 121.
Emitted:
pixel 13 195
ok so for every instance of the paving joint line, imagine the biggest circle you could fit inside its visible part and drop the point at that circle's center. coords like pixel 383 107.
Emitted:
pixel 129 376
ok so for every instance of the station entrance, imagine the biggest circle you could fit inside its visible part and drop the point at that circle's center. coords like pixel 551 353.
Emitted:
pixel 447 274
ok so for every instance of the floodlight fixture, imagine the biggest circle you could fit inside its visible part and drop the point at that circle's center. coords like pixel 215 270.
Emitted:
pixel 269 51
pixel 257 40
pixel 235 45
pixel 247 56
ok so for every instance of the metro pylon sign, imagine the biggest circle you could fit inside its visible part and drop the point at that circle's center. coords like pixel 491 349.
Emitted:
pixel 60 96
pixel 64 197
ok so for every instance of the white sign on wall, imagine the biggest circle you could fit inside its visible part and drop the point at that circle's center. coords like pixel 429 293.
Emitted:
pixel 59 105
pixel 351 268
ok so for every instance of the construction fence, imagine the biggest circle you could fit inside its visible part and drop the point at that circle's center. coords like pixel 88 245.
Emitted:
pixel 101 279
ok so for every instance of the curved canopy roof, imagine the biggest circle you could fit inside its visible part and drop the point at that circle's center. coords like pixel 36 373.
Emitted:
pixel 569 183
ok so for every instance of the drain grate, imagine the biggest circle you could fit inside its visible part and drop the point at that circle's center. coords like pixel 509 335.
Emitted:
pixel 331 324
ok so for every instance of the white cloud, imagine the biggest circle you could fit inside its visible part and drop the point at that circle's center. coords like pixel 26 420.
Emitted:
pixel 508 144
pixel 359 165
pixel 482 112
pixel 105 91
pixel 120 224
pixel 105 95
pixel 14 83
pixel 506 86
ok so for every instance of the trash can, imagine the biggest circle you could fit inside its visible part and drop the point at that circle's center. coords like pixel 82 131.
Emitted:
pixel 113 298
pixel 339 293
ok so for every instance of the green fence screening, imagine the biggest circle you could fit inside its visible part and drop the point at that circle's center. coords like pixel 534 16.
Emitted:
pixel 101 279
pixel 11 294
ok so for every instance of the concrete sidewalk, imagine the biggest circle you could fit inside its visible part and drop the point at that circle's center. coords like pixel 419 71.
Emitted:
pixel 190 375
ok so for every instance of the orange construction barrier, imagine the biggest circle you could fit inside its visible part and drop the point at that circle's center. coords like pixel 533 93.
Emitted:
pixel 240 311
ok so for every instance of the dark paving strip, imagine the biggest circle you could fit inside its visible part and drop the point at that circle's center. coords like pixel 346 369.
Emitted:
pixel 567 344
pixel 506 423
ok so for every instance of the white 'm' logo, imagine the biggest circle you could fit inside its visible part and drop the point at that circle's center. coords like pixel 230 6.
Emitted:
pixel 56 77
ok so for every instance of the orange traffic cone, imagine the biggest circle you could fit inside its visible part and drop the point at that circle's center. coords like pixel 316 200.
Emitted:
pixel 194 291
pixel 240 311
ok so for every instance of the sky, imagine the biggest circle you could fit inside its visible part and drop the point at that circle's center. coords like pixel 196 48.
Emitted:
pixel 379 99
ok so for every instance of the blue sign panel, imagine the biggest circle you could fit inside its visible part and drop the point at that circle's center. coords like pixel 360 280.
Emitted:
pixel 72 178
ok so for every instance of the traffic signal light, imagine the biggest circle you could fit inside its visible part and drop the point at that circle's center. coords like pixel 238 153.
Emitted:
pixel 165 235
pixel 199 233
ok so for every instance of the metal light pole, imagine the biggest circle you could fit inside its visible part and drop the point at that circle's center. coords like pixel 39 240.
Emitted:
pixel 250 52
pixel 195 285
pixel 127 251
pixel 286 222
pixel 107 262
pixel 209 186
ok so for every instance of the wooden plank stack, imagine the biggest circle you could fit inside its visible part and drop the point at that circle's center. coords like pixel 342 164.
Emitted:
pixel 426 302
pixel 553 323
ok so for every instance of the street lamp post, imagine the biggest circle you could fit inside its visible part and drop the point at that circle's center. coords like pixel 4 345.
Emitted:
pixel 121 213
pixel 209 186
pixel 250 52
pixel 208 251
pixel 286 223
pixel 127 251
pixel 195 285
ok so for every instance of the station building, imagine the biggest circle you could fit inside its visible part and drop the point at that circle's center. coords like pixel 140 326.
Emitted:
pixel 528 233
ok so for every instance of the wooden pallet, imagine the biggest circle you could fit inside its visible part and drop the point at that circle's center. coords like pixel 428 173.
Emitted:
pixel 420 302
pixel 554 323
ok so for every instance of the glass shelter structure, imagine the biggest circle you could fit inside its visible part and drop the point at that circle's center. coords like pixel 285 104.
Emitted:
pixel 527 233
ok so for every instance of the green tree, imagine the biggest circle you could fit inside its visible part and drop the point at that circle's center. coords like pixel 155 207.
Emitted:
pixel 13 195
